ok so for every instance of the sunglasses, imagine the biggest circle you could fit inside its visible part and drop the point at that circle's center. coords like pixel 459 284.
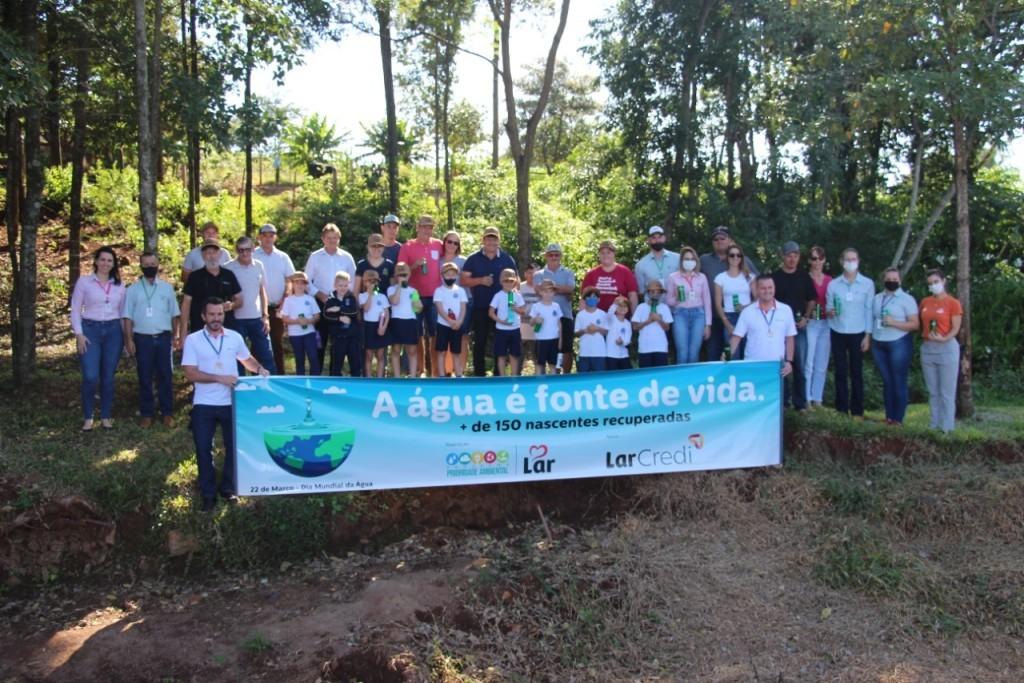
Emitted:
pixel 452 242
pixel 511 279
pixel 735 255
pixel 816 258
pixel 376 246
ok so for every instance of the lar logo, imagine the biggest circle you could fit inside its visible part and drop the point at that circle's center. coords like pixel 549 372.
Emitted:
pixel 541 464
pixel 697 440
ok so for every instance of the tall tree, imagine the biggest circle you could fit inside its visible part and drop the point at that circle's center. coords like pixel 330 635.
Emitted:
pixel 569 109
pixel 383 12
pixel 81 48
pixel 522 142
pixel 147 180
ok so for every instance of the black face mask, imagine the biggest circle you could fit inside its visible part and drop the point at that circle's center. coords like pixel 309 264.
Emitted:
pixel 658 246
pixel 449 281
pixel 149 271
pixel 892 286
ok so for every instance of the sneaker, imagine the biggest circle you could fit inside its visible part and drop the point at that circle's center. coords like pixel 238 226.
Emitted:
pixel 209 504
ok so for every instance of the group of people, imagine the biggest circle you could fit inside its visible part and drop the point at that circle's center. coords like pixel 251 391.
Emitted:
pixel 412 307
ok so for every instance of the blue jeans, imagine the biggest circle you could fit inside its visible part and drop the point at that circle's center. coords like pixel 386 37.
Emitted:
pixel 727 337
pixel 688 333
pixel 304 346
pixel 204 425
pixel 259 342
pixel 153 357
pixel 819 345
pixel 795 391
pixel 892 358
pixel 99 363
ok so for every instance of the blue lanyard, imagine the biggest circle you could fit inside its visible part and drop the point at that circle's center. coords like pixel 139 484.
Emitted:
pixel 768 321
pixel 216 349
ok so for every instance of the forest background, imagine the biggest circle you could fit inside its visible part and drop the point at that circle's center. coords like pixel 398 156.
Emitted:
pixel 872 124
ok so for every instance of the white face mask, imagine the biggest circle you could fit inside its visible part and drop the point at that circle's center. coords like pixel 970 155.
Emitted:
pixel 850 266
pixel 689 264
pixel 936 288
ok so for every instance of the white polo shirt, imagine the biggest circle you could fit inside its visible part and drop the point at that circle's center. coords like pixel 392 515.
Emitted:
pixel 766 332
pixel 215 355
pixel 277 267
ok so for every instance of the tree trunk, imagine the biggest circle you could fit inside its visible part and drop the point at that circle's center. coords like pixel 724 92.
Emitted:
pixel 384 25
pixel 247 129
pixel 446 97
pixel 82 43
pixel 190 215
pixel 12 209
pixel 53 94
pixel 495 126
pixel 155 75
pixel 961 154
pixel 193 19
pixel 915 191
pixel 24 332
pixel 147 186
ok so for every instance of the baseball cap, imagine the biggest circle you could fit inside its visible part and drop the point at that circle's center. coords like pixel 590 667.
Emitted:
pixel 790 247
pixel 606 244
pixel 656 230
pixel 373 239
pixel 553 248
pixel 720 230
pixel 450 265
pixel 391 218
pixel 209 244
pixel 268 227
pixel 492 231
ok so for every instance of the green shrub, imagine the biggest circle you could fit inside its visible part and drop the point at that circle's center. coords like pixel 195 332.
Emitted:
pixel 997 300
pixel 57 190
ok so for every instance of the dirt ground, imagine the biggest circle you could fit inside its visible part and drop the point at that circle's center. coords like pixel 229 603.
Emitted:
pixel 713 581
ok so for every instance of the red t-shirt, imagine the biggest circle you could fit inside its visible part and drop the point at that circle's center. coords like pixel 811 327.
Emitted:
pixel 619 282
pixel 939 310
pixel 414 250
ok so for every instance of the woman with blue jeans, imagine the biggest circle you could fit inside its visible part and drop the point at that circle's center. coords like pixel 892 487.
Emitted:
pixel 734 290
pixel 819 340
pixel 894 318
pixel 97 304
pixel 688 294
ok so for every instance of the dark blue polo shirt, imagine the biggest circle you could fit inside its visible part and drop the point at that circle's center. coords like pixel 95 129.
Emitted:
pixel 478 265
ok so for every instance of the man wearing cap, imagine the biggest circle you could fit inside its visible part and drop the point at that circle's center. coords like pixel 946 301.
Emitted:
pixel 658 263
pixel 795 288
pixel 711 264
pixel 423 255
pixel 277 267
pixel 565 290
pixel 150 321
pixel 209 281
pixel 482 273
pixel 389 231
pixel 194 259
pixel 252 318
pixel 611 279
pixel 321 267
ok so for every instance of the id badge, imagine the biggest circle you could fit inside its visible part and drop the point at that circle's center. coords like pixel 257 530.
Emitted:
pixel 149 311
pixel 107 308
pixel 849 296
pixel 434 254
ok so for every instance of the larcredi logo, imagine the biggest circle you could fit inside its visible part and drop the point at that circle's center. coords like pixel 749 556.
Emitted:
pixel 697 441
pixel 538 461
pixel 649 457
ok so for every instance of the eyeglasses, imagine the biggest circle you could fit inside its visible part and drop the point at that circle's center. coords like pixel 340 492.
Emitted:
pixel 735 255
pixel 242 250
pixel 511 279
pixel 452 242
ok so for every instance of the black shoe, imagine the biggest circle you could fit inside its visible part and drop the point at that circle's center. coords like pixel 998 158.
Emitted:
pixel 209 504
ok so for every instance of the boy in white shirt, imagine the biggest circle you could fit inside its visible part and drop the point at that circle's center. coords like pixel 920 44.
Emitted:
pixel 404 329
pixel 451 301
pixel 375 309
pixel 545 321
pixel 651 320
pixel 590 326
pixel 620 333
pixel 505 310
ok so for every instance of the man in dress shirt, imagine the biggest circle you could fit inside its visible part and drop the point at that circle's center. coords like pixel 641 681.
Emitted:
pixel 277 266
pixel 210 360
pixel 150 331
pixel 252 319
pixel 194 259
pixel 321 267
pixel 768 327
pixel 656 264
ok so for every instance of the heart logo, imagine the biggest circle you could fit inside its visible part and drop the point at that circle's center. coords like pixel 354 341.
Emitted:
pixel 697 440
pixel 538 451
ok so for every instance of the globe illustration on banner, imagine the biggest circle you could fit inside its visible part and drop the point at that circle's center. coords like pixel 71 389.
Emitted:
pixel 310 448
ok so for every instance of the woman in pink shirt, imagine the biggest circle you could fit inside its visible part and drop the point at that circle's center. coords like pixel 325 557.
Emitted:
pixel 689 296
pixel 818 341
pixel 96 307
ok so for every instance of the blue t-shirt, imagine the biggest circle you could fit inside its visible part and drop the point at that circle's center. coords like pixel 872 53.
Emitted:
pixel 478 265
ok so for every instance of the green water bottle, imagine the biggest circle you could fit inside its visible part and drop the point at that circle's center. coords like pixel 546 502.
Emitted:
pixel 836 306
pixel 817 311
pixel 417 305
pixel 933 326
pixel 537 326
pixel 881 321
pixel 303 316
pixel 735 303
pixel 510 317
pixel 681 293
pixel 423 267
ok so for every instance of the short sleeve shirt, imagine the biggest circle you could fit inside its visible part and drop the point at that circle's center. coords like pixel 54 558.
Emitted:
pixel 479 265
pixel 250 278
pixel 386 269
pixel 592 343
pixel 897 305
pixel 651 338
pixel 766 332
pixel 618 329
pixel 941 311
pixel 377 308
pixel 551 319
pixel 202 285
pixel 151 308
pixel 414 250
pixel 194 259
pixel 563 277
pixel 450 300
pixel 619 282
pixel 215 355
pixel 508 317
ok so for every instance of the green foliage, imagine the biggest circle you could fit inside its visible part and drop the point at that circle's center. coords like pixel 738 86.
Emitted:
pixel 57 190
pixel 997 330
pixel 256 643
pixel 407 138
pixel 856 558
pixel 110 202
pixel 312 140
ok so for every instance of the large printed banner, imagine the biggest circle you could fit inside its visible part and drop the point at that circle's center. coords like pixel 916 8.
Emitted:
pixel 328 434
